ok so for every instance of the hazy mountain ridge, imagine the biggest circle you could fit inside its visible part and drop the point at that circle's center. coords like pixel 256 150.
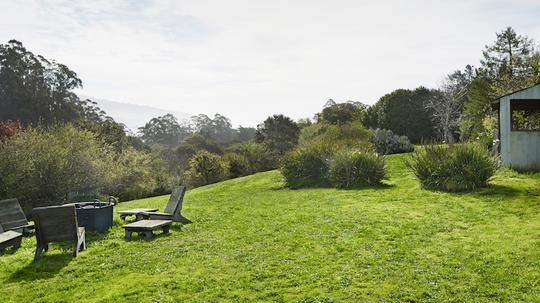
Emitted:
pixel 133 115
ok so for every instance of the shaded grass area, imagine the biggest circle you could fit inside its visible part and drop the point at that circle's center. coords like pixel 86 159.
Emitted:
pixel 253 240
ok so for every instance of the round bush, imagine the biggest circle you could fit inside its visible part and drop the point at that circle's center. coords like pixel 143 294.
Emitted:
pixel 351 168
pixel 455 168
pixel 259 158
pixel 306 166
pixel 206 168
pixel 238 165
pixel 346 135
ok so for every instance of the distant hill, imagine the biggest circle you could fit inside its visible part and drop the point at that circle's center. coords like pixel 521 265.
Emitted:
pixel 132 115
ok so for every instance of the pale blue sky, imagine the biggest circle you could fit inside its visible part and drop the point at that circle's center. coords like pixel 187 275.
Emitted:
pixel 250 59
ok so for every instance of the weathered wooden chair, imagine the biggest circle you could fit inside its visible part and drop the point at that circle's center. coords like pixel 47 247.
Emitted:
pixel 137 212
pixel 83 195
pixel 173 210
pixel 57 224
pixel 12 217
pixel 9 238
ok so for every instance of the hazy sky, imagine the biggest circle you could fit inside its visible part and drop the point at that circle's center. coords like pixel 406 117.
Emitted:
pixel 249 59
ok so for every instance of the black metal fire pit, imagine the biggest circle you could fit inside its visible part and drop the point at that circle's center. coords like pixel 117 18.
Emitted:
pixel 96 216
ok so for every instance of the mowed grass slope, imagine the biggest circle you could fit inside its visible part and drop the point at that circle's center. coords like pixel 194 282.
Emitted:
pixel 252 240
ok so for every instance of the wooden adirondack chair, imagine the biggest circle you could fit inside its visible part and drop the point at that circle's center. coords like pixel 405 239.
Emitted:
pixel 9 238
pixel 57 224
pixel 83 195
pixel 12 217
pixel 173 210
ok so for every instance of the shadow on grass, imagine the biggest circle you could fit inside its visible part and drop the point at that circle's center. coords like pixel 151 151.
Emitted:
pixel 177 227
pixel 46 268
pixel 497 191
pixel 135 237
pixel 380 186
pixel 492 191
pixel 52 261
pixel 9 251
pixel 533 192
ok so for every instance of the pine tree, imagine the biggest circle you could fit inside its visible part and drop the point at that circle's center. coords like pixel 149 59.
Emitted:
pixel 508 62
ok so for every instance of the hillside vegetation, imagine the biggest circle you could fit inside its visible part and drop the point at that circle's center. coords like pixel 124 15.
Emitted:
pixel 253 240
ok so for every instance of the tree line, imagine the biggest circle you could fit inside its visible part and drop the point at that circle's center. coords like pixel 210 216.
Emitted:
pixel 53 142
pixel 37 100
pixel 460 108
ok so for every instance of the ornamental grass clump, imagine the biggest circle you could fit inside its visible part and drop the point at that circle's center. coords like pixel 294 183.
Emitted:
pixel 324 165
pixel 353 168
pixel 454 168
pixel 306 166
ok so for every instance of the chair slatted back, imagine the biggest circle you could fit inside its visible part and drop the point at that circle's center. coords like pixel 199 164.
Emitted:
pixel 11 214
pixel 86 195
pixel 174 206
pixel 56 223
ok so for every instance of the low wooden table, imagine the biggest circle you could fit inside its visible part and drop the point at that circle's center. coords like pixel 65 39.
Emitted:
pixel 146 227
pixel 10 238
pixel 137 212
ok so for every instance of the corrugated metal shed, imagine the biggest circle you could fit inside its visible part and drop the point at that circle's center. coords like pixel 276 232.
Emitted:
pixel 519 149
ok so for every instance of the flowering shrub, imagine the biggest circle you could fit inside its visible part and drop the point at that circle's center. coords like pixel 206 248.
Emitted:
pixel 9 129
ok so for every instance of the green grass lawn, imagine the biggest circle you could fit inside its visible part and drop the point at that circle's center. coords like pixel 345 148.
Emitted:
pixel 252 240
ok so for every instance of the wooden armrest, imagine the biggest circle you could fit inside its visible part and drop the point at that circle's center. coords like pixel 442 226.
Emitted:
pixel 156 215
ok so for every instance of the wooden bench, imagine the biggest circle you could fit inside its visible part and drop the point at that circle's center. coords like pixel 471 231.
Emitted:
pixel 9 239
pixel 137 212
pixel 12 217
pixel 146 227
pixel 173 210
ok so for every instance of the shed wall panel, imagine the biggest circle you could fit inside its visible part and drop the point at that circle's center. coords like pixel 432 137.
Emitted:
pixel 519 149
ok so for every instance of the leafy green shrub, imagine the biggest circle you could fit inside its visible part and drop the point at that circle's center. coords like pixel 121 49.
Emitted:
pixel 340 135
pixel 238 165
pixel 278 133
pixel 138 174
pixel 336 113
pixel 310 133
pixel 306 166
pixel 352 168
pixel 386 142
pixel 40 166
pixel 206 168
pixel 454 168
pixel 258 156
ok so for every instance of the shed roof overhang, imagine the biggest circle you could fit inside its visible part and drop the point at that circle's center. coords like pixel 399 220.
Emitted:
pixel 495 104
pixel 517 91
